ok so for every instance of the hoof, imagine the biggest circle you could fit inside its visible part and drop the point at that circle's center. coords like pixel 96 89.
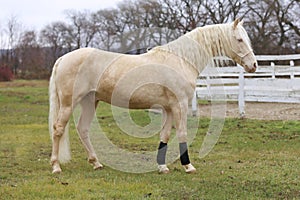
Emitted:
pixel 56 170
pixel 190 169
pixel 163 169
pixel 98 166
pixel 95 163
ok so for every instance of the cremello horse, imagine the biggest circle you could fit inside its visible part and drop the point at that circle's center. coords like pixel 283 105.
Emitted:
pixel 165 76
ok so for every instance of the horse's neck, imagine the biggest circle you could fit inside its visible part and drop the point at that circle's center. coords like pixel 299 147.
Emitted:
pixel 190 51
pixel 213 38
pixel 200 46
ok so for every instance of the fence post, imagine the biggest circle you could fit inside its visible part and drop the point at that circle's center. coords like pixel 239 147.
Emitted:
pixel 273 70
pixel 292 64
pixel 241 92
pixel 208 82
pixel 194 104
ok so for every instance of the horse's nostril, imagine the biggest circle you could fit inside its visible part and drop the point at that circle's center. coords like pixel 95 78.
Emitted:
pixel 255 65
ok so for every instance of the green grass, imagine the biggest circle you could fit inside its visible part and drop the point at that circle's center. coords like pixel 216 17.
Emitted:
pixel 252 160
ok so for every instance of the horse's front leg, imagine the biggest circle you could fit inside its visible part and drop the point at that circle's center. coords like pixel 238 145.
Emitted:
pixel 180 118
pixel 164 138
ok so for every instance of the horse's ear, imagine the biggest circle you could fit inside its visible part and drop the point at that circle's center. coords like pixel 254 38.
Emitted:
pixel 236 23
pixel 242 22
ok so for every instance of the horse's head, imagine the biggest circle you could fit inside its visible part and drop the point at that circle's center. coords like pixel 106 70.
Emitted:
pixel 241 50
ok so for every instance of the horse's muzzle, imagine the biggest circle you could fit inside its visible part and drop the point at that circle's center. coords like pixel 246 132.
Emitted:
pixel 251 69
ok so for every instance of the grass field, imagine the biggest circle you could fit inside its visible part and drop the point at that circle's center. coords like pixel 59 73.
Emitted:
pixel 252 160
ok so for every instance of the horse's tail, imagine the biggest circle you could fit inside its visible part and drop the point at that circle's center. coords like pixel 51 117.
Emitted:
pixel 64 154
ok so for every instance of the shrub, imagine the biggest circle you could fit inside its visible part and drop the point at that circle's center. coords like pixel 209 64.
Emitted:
pixel 6 74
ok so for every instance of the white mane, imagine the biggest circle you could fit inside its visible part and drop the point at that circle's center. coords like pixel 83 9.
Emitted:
pixel 201 45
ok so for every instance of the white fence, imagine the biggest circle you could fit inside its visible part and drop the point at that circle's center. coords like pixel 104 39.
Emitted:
pixel 272 83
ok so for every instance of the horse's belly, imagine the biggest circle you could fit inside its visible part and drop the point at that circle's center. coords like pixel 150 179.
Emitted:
pixel 140 98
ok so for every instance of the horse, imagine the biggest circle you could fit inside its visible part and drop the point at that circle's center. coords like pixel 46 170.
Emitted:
pixel 165 76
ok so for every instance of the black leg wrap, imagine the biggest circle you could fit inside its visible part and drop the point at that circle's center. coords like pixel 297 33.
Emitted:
pixel 161 155
pixel 184 155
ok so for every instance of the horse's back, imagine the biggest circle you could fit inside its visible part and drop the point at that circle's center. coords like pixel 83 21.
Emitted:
pixel 81 57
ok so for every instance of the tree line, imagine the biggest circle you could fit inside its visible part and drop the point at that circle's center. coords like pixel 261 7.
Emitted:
pixel 273 27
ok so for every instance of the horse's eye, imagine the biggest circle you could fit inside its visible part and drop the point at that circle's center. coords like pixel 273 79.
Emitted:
pixel 240 40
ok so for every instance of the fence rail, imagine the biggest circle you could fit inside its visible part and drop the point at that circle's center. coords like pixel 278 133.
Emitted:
pixel 272 83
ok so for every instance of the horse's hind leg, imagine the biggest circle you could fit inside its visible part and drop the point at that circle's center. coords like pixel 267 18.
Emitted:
pixel 87 114
pixel 59 129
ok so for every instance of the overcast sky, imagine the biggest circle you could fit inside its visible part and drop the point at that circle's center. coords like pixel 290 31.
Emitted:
pixel 37 13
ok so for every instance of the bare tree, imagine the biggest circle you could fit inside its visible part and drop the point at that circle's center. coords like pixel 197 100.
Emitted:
pixel 110 25
pixel 136 21
pixel 184 15
pixel 13 31
pixel 282 10
pixel 83 27
pixel 2 38
pixel 261 24
pixel 30 56
pixel 290 18
pixel 224 11
pixel 56 41
pixel 270 24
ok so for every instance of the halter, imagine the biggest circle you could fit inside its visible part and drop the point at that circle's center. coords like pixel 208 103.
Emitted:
pixel 240 55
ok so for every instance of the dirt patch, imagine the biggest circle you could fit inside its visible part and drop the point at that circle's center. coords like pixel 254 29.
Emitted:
pixel 261 111
pixel 24 83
